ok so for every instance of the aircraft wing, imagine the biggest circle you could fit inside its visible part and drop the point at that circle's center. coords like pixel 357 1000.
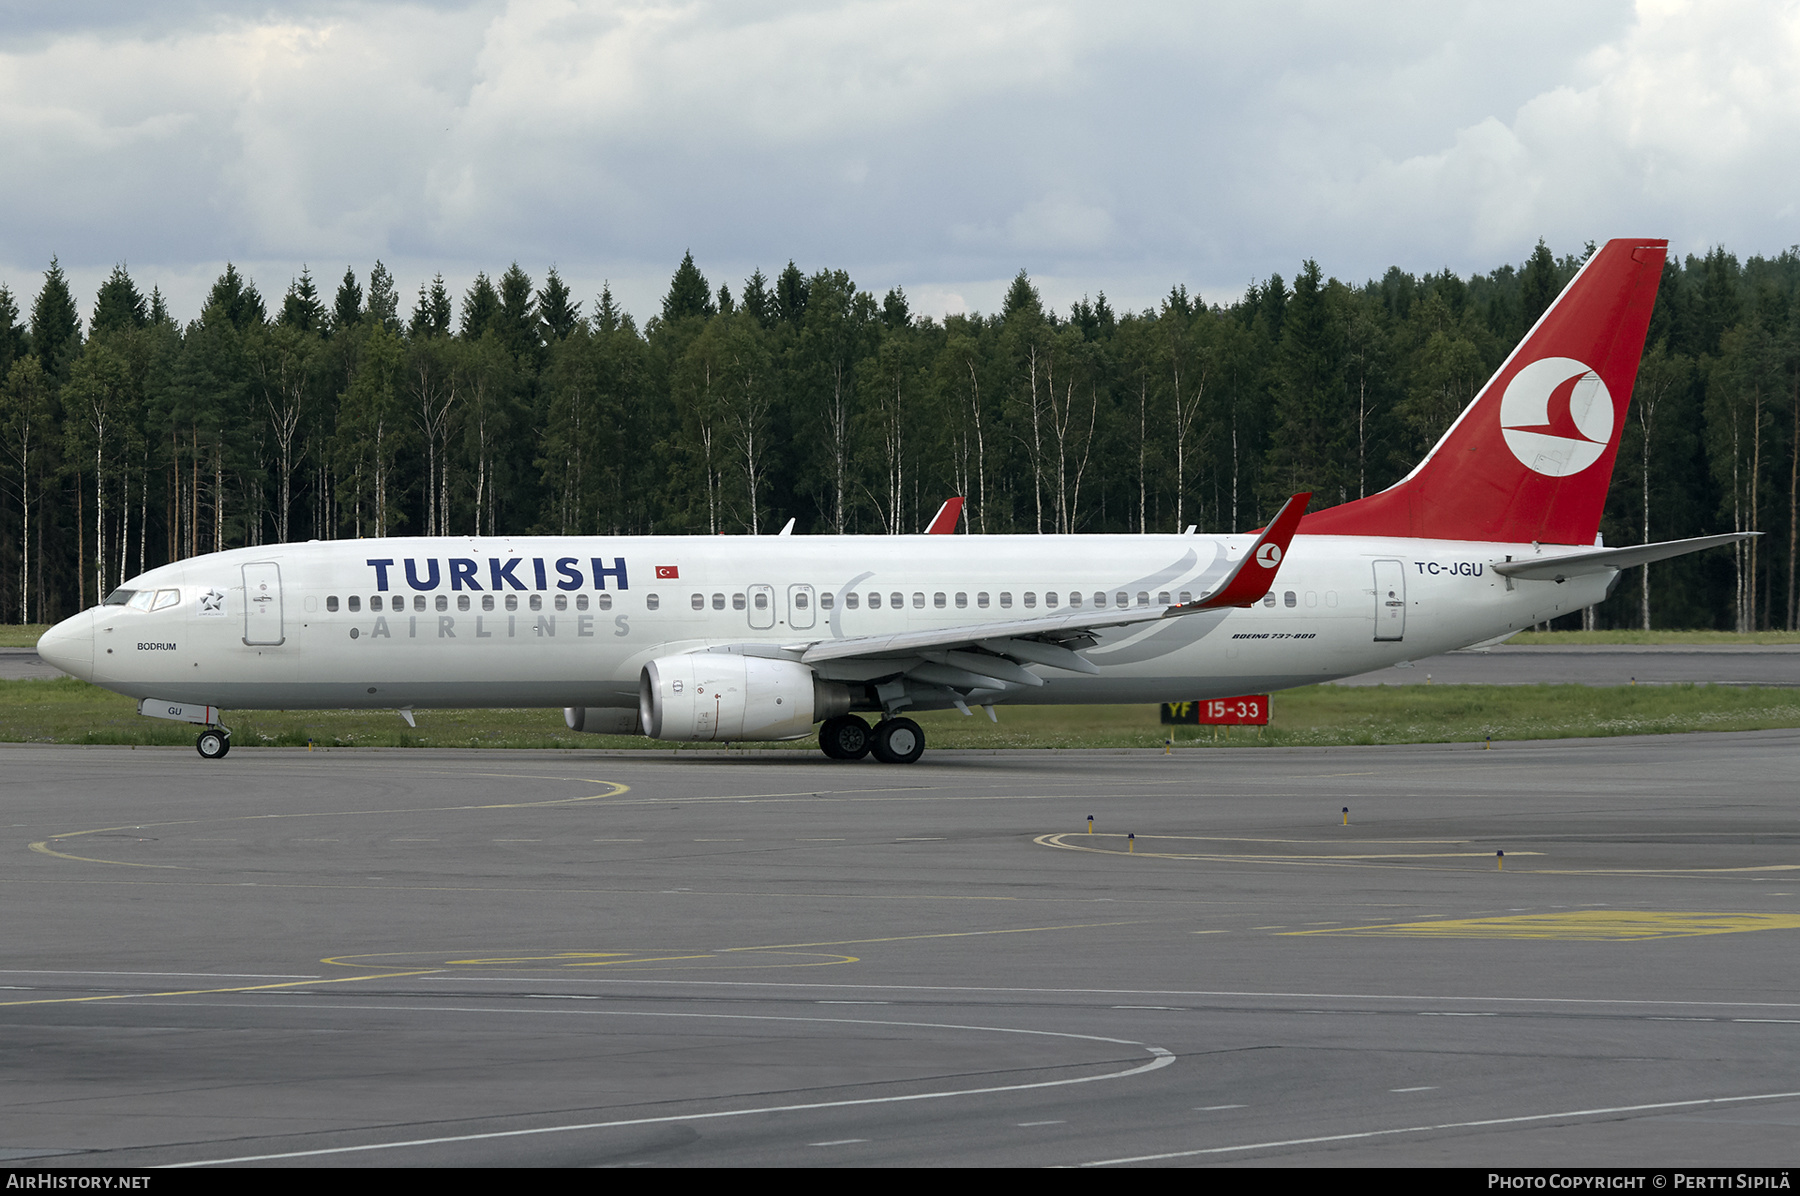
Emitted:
pixel 1576 564
pixel 986 655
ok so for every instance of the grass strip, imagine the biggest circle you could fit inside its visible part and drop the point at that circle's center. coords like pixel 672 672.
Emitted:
pixel 74 712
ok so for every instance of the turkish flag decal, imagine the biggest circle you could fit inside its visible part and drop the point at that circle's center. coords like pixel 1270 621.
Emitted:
pixel 667 572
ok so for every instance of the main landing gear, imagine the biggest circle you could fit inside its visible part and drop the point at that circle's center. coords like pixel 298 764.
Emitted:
pixel 893 740
pixel 214 743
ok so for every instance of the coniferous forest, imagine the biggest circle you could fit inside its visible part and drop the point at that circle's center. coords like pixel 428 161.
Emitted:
pixel 517 408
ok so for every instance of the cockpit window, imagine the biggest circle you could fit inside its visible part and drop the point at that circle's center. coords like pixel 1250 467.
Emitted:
pixel 118 598
pixel 140 600
pixel 166 598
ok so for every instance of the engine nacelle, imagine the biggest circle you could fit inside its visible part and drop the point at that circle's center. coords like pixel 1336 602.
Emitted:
pixel 603 720
pixel 721 695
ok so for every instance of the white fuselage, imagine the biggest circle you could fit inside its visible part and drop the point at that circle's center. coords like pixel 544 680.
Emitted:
pixel 573 622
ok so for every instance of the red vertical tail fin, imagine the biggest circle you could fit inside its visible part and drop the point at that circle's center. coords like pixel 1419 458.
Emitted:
pixel 944 522
pixel 1531 457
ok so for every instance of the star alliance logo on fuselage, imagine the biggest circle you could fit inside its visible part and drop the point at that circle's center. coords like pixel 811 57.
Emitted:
pixel 1557 416
pixel 212 603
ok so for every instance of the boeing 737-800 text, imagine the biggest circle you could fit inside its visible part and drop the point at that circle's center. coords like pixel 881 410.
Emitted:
pixel 748 638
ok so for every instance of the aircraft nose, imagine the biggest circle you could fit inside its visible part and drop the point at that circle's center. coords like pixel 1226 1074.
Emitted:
pixel 70 645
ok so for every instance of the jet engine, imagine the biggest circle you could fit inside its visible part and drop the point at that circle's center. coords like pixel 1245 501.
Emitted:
pixel 721 695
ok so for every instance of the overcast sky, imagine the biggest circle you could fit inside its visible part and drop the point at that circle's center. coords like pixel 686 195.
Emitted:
pixel 941 147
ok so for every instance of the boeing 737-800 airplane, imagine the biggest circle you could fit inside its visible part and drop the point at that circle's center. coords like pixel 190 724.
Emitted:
pixel 747 638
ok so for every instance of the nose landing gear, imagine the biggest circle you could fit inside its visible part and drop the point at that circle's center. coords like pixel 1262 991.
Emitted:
pixel 214 743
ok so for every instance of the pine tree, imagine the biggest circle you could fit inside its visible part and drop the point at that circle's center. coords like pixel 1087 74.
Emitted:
pixel 1538 283
pixel 894 311
pixel 689 295
pixel 13 341
pixel 347 309
pixel 480 304
pixel 432 315
pixel 517 321
pixel 300 308
pixel 790 295
pixel 119 307
pixel 384 301
pixel 757 299
pixel 606 312
pixel 558 314
pixel 237 297
pixel 55 325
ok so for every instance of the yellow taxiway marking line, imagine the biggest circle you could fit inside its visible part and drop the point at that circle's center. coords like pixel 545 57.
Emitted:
pixel 951 934
pixel 614 789
pixel 43 846
pixel 1057 840
pixel 200 992
pixel 1576 926
pixel 587 959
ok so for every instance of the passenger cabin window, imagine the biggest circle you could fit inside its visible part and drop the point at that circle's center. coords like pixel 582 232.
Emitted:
pixel 897 600
pixel 850 601
pixel 651 601
pixel 718 602
pixel 1005 599
pixel 418 602
pixel 981 599
pixel 355 603
pixel 874 601
pixel 699 601
pixel 1050 600
pixel 331 604
pixel 535 602
pixel 762 601
pixel 800 602
pixel 737 602
pixel 962 600
pixel 462 602
pixel 603 601
pixel 827 599
pixel 1099 600
pixel 443 603
pixel 1162 598
pixel 1030 600
pixel 1268 600
pixel 918 601
pixel 1187 596
pixel 1075 599
pixel 487 602
pixel 1143 598
pixel 938 600
pixel 1289 600
pixel 562 602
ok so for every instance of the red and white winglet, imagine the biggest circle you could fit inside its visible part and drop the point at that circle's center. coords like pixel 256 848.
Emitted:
pixel 1255 574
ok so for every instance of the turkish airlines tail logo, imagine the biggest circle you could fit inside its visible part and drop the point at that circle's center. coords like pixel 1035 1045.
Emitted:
pixel 1557 416
pixel 1531 456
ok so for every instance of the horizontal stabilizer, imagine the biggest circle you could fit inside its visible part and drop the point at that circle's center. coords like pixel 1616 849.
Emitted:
pixel 1579 564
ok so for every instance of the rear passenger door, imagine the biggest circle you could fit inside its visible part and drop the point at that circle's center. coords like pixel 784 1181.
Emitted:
pixel 1390 601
